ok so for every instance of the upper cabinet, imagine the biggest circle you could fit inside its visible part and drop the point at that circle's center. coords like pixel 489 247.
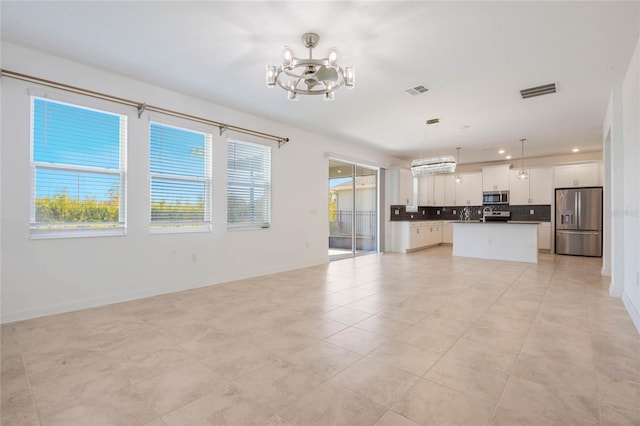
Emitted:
pixel 400 186
pixel 449 190
pixel 442 190
pixel 587 174
pixel 469 191
pixel 426 195
pixel 495 178
pixel 537 189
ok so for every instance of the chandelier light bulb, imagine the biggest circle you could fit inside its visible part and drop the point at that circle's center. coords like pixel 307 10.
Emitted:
pixel 329 96
pixel 287 55
pixel 349 77
pixel 292 96
pixel 272 73
pixel 332 60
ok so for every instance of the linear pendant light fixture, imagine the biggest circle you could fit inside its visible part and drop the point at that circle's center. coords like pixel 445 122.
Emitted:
pixel 433 165
pixel 309 76
pixel 522 174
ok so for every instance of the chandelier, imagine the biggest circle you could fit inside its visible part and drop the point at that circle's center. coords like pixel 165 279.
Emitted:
pixel 458 178
pixel 309 76
pixel 433 165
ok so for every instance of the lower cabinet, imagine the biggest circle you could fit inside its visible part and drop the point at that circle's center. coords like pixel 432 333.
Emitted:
pixel 544 236
pixel 410 236
pixel 447 232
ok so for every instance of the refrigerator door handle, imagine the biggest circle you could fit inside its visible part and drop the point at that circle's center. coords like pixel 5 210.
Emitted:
pixel 579 208
pixel 579 232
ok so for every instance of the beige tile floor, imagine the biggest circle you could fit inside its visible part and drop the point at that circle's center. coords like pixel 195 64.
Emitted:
pixel 417 339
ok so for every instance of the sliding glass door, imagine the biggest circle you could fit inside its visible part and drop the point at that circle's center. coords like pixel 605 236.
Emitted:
pixel 353 209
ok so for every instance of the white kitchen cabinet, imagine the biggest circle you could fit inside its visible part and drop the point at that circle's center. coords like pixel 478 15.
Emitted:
pixel 449 190
pixel 409 236
pixel 438 190
pixel 495 178
pixel 469 191
pixel 519 189
pixel 587 174
pixel 400 186
pixel 541 186
pixel 447 232
pixel 544 236
pixel 537 189
pixel 434 237
pixel 426 195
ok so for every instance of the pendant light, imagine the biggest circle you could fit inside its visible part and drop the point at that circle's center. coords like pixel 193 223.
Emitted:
pixel 458 178
pixel 522 174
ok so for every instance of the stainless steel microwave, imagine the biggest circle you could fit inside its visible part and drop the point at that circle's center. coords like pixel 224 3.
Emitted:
pixel 495 197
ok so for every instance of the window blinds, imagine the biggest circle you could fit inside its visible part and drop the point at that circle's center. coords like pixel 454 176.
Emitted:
pixel 248 184
pixel 78 168
pixel 180 166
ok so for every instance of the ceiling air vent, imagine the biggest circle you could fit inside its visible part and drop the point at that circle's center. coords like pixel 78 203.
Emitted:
pixel 418 90
pixel 538 91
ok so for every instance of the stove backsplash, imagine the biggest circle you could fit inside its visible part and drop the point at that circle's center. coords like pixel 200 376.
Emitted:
pixel 541 213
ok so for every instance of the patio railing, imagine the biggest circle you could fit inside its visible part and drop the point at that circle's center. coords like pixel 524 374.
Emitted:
pixel 365 223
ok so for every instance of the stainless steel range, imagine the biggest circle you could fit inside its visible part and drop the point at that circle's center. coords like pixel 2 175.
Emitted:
pixel 490 215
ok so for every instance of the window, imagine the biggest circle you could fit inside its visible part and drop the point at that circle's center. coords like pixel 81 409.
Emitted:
pixel 248 185
pixel 78 170
pixel 180 179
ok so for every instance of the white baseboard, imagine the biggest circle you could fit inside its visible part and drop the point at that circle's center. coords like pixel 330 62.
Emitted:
pixel 614 291
pixel 633 312
pixel 77 305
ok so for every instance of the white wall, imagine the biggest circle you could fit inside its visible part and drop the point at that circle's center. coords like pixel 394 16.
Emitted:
pixel 41 277
pixel 631 140
pixel 622 132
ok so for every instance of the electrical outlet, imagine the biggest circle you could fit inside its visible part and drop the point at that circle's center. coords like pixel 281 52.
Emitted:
pixel 411 216
pixel 531 211
pixel 397 212
pixel 438 212
pixel 454 212
pixel 423 212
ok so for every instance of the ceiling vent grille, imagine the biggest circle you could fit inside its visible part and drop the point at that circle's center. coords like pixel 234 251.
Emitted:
pixel 547 89
pixel 418 90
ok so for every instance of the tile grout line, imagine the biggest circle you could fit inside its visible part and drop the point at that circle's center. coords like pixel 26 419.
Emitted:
pixel 504 389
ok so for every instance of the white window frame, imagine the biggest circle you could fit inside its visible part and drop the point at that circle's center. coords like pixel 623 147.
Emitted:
pixel 169 227
pixel 73 230
pixel 250 226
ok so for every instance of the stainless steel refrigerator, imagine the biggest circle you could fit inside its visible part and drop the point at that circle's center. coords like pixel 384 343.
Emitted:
pixel 579 221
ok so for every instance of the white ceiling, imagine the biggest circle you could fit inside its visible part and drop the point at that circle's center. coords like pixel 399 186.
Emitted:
pixel 474 56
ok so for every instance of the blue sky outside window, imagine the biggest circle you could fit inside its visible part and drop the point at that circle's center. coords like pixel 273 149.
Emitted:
pixel 78 163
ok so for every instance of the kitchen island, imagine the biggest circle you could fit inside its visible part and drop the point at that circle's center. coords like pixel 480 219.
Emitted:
pixel 517 242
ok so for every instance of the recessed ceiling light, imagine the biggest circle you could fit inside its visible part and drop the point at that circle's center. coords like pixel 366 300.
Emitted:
pixel 508 157
pixel 339 171
pixel 575 150
pixel 501 151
